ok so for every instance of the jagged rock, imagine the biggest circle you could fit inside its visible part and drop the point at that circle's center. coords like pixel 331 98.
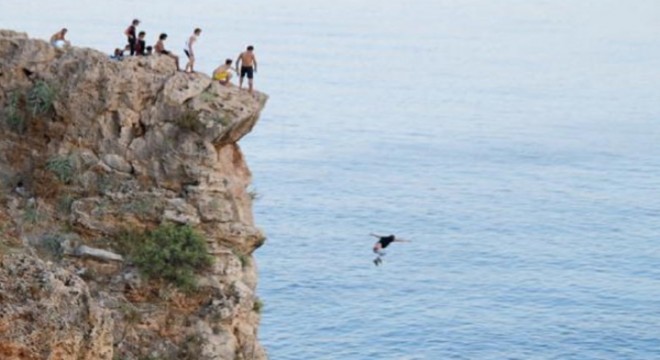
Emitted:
pixel 46 310
pixel 117 162
pixel 243 294
pixel 108 146
pixel 210 340
pixel 215 208
pixel 179 88
pixel 179 211
pixel 87 157
pixel 89 212
pixel 228 263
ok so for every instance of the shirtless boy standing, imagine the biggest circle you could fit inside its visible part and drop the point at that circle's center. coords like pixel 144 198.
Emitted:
pixel 248 66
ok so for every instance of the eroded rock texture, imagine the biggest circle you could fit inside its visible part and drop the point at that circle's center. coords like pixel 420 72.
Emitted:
pixel 91 148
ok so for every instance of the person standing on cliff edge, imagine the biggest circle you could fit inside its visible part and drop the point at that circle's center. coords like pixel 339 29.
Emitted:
pixel 382 243
pixel 130 33
pixel 248 66
pixel 188 49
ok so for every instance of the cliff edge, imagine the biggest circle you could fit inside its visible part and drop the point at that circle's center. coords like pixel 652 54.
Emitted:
pixel 110 174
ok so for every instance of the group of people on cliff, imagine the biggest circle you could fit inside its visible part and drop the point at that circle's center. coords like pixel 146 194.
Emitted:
pixel 246 62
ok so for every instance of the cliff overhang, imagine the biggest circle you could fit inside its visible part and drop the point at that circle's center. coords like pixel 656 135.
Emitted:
pixel 91 148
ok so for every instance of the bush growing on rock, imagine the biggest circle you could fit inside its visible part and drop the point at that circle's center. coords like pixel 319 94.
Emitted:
pixel 258 306
pixel 61 167
pixel 40 98
pixel 52 246
pixel 15 120
pixel 170 252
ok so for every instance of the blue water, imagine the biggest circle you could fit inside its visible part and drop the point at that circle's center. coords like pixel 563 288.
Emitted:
pixel 516 143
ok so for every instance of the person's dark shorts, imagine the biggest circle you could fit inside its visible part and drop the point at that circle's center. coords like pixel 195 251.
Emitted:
pixel 165 52
pixel 187 53
pixel 131 44
pixel 385 241
pixel 247 70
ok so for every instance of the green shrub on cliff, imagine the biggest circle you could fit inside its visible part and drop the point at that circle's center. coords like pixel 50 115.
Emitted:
pixel 15 120
pixel 40 98
pixel 170 252
pixel 61 167
pixel 244 259
pixel 258 306
pixel 51 244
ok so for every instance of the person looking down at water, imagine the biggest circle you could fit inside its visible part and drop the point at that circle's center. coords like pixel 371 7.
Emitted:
pixel 223 73
pixel 58 40
pixel 248 66
pixel 188 49
pixel 382 243
pixel 159 48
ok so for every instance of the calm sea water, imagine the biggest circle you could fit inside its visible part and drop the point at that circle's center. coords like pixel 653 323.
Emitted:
pixel 515 142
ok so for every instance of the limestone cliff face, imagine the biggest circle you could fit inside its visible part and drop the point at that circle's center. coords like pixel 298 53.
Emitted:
pixel 91 148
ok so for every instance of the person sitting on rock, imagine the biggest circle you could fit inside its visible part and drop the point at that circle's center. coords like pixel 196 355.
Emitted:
pixel 118 55
pixel 223 73
pixel 58 40
pixel 159 48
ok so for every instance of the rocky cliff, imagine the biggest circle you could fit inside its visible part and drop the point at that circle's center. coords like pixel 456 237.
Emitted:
pixel 110 171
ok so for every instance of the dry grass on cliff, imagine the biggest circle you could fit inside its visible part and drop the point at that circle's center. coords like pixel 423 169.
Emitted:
pixel 45 185
pixel 9 238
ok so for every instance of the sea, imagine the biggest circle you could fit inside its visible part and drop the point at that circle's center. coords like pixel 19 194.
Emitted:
pixel 515 143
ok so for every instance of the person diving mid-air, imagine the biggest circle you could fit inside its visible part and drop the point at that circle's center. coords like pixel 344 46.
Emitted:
pixel 382 243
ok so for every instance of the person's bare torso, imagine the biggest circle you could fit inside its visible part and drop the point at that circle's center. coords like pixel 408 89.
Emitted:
pixel 159 47
pixel 247 59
